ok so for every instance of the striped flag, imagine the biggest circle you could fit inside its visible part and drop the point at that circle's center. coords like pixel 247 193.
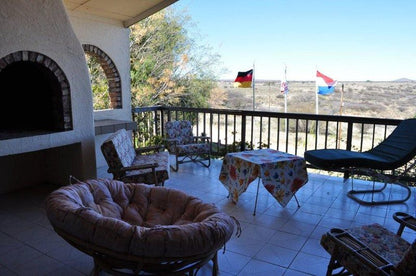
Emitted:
pixel 284 86
pixel 244 79
pixel 324 84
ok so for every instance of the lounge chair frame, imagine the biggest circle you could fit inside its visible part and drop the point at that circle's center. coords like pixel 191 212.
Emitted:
pixel 386 178
pixel 398 150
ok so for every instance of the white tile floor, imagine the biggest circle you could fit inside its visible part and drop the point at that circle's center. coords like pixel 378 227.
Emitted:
pixel 277 241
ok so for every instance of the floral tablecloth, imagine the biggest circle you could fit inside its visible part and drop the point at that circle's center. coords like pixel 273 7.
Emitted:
pixel 282 173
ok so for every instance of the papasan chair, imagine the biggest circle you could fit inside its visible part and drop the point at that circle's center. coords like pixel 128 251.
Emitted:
pixel 131 228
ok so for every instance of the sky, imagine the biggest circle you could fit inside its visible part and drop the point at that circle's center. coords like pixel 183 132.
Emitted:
pixel 347 40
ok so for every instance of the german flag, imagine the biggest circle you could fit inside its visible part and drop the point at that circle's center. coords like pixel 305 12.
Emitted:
pixel 243 79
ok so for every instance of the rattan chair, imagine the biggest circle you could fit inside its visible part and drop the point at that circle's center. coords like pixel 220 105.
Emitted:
pixel 371 249
pixel 137 229
pixel 185 146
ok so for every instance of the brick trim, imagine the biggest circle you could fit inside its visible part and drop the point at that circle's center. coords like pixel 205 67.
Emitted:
pixel 110 71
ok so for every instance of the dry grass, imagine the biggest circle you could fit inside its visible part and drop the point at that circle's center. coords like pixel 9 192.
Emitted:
pixel 367 99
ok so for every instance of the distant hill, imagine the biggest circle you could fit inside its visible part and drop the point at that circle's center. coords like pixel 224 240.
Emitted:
pixel 404 80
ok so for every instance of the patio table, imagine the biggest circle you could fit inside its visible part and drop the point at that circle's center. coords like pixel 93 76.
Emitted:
pixel 282 174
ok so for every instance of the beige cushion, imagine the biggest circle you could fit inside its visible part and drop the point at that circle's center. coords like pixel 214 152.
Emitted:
pixel 138 219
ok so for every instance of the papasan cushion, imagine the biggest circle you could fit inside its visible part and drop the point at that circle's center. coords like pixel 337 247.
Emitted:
pixel 137 219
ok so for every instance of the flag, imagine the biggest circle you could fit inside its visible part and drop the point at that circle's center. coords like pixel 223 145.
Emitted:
pixel 243 79
pixel 284 87
pixel 325 85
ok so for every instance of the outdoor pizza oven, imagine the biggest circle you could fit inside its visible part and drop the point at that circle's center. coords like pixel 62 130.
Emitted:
pixel 35 96
pixel 46 114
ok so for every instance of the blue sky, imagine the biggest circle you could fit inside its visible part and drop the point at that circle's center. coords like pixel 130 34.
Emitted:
pixel 346 40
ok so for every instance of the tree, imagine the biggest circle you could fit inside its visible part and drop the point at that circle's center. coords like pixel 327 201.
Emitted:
pixel 99 83
pixel 168 67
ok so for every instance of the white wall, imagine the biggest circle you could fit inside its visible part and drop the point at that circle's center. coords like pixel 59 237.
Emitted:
pixel 43 26
pixel 112 38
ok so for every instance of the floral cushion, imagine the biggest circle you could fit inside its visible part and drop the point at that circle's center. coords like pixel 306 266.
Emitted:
pixel 179 130
pixel 146 175
pixel 193 149
pixel 386 244
pixel 118 149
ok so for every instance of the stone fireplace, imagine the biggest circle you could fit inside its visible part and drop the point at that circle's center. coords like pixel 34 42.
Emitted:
pixel 46 114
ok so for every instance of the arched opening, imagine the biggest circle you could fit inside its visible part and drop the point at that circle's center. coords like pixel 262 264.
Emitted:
pixel 105 79
pixel 32 100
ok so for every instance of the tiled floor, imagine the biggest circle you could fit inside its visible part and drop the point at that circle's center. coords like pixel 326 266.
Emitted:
pixel 277 241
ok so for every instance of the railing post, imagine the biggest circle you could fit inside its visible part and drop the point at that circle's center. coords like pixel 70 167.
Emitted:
pixel 155 130
pixel 135 134
pixel 349 136
pixel 349 144
pixel 243 132
pixel 162 123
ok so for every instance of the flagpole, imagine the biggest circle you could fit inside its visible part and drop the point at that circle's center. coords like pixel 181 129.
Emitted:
pixel 340 113
pixel 316 95
pixel 285 91
pixel 317 104
pixel 254 93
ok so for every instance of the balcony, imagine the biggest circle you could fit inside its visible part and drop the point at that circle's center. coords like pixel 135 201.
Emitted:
pixel 277 241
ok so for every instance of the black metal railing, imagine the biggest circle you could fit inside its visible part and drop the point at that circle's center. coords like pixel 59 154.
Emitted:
pixel 237 130
pixel 290 132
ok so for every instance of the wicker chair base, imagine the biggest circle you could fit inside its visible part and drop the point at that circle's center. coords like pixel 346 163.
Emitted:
pixel 116 263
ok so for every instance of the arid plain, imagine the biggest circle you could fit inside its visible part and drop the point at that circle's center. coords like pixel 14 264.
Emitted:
pixel 390 99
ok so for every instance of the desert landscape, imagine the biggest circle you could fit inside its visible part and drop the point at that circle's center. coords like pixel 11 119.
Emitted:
pixel 389 99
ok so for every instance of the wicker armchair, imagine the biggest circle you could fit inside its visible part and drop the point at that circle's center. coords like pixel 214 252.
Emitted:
pixel 186 147
pixel 371 249
pixel 133 165
pixel 137 229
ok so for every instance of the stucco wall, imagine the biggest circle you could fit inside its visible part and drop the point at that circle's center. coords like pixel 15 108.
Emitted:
pixel 43 26
pixel 112 38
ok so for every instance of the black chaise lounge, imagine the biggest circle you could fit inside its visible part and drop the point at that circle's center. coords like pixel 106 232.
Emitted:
pixel 398 149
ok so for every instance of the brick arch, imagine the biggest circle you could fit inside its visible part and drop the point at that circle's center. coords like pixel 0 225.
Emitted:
pixel 64 95
pixel 110 71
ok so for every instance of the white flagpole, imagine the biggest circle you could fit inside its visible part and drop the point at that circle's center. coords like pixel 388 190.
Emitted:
pixel 253 84
pixel 285 92
pixel 316 94
pixel 317 104
pixel 340 113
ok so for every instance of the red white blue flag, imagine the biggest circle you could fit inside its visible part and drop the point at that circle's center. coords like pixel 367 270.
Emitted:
pixel 284 87
pixel 324 84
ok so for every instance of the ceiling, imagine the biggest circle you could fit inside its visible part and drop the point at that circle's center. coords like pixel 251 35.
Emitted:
pixel 127 11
